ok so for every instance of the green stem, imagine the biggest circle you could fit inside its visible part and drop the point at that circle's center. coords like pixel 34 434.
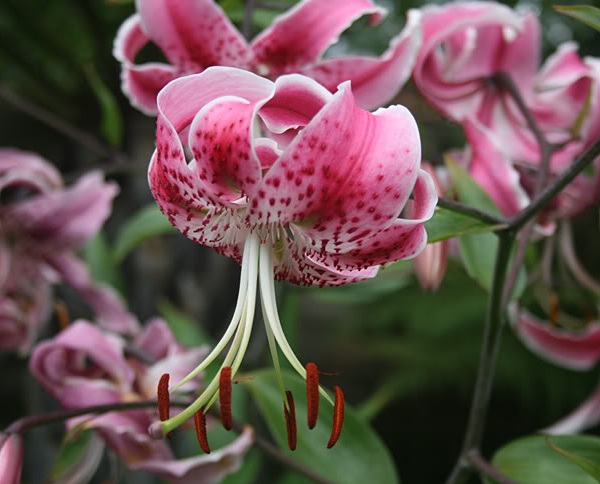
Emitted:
pixel 487 363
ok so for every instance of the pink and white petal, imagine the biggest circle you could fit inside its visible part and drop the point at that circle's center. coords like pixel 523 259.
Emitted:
pixel 295 101
pixel 267 152
pixel 28 170
pixel 194 34
pixel 221 141
pixel 521 54
pixel 375 80
pixel 11 458
pixel 345 167
pixel 109 310
pixel 66 219
pixel 562 68
pixel 82 366
pixel 582 418
pixel 157 339
pixel 303 34
pixel 578 351
pixel 204 469
pixel 493 171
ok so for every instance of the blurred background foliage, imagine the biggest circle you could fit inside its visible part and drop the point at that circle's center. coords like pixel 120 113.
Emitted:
pixel 406 359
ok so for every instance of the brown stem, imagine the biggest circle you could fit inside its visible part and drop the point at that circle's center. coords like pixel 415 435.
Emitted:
pixel 487 469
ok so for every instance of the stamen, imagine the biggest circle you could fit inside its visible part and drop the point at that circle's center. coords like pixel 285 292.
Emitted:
pixel 290 420
pixel 200 425
pixel 554 309
pixel 312 394
pixel 162 396
pixel 62 314
pixel 338 417
pixel 225 397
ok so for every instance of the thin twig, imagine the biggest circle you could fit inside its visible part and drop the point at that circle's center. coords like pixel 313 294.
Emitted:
pixel 247 21
pixel 50 119
pixel 487 469
pixel 472 212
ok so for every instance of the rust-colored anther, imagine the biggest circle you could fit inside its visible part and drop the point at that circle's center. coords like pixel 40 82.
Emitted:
pixel 225 397
pixel 62 314
pixel 162 396
pixel 200 426
pixel 290 420
pixel 338 417
pixel 312 394
pixel 554 309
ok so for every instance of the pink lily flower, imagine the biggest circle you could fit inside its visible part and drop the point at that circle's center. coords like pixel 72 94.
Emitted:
pixel 41 225
pixel 196 34
pixel 11 458
pixel 292 181
pixel 569 349
pixel 84 365
pixel 464 45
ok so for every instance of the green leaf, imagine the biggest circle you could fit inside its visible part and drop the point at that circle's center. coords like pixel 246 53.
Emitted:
pixel 146 223
pixel 78 457
pixel 446 224
pixel 530 460
pixel 584 13
pixel 111 124
pixel 358 457
pixel 186 331
pixel 100 262
pixel 587 465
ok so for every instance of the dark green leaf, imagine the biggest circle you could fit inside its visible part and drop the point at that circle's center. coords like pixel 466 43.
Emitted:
pixel 592 468
pixel 111 124
pixel 584 13
pixel 531 461
pixel 186 331
pixel 146 223
pixel 358 457
pixel 446 224
pixel 100 262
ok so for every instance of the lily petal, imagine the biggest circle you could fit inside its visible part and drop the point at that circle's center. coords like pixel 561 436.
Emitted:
pixel 11 458
pixel 578 351
pixel 301 36
pixel 375 80
pixel 582 418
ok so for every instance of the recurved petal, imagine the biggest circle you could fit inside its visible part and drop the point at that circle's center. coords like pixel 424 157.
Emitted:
pixel 493 171
pixel 578 351
pixel 203 469
pixel 193 34
pixel 301 36
pixel 82 366
pixel 346 176
pixel 582 418
pixel 28 170
pixel 375 80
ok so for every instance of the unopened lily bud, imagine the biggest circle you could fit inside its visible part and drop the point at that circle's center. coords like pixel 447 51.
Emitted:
pixel 11 458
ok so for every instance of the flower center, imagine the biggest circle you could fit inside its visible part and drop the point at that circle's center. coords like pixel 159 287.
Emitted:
pixel 257 272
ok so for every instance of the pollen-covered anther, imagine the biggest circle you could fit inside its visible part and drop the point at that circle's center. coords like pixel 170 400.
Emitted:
pixel 554 311
pixel 289 411
pixel 225 397
pixel 200 426
pixel 162 396
pixel 312 394
pixel 338 417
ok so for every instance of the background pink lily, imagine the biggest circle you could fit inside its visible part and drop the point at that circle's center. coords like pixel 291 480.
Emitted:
pixel 42 224
pixel 196 34
pixel 575 350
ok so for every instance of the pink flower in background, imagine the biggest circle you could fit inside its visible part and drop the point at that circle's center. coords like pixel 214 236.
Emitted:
pixel 464 45
pixel 11 458
pixel 84 366
pixel 577 350
pixel 290 180
pixel 196 34
pixel 42 223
